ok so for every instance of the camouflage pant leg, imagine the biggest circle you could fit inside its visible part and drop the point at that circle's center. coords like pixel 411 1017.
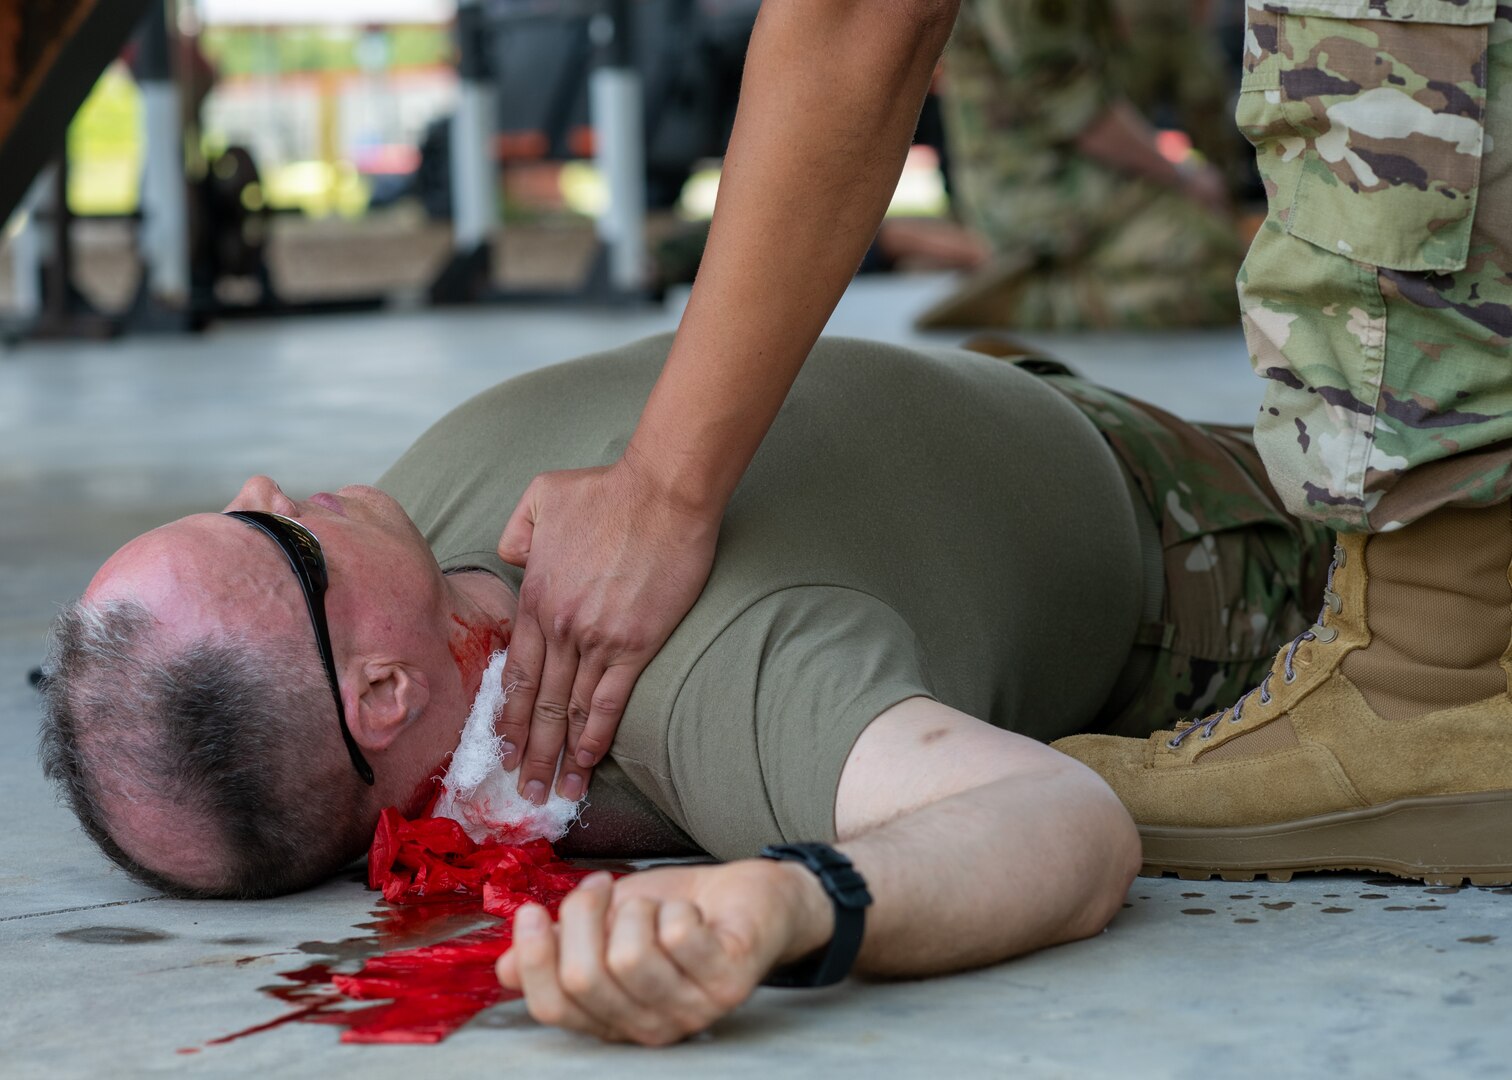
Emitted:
pixel 1148 257
pixel 1378 294
pixel 1242 577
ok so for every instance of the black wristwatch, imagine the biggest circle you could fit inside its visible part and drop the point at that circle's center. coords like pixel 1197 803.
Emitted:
pixel 847 891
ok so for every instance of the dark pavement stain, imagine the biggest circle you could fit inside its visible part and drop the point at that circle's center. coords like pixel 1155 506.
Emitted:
pixel 1191 895
pixel 1445 890
pixel 1246 920
pixel 1336 910
pixel 1374 896
pixel 1479 939
pixel 245 960
pixel 1396 909
pixel 1429 907
pixel 239 941
pixel 112 935
pixel 1459 997
pixel 1242 896
pixel 1279 905
pixel 1198 911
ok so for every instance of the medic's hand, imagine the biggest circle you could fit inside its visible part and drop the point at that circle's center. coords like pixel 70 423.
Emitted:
pixel 660 955
pixel 611 567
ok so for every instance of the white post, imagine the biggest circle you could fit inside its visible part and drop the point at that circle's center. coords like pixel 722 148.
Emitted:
pixel 474 204
pixel 616 112
pixel 165 204
pixel 29 243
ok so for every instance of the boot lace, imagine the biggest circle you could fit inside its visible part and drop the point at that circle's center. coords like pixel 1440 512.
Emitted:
pixel 1320 632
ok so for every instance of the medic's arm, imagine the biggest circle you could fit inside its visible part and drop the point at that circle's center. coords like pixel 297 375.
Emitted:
pixel 615 557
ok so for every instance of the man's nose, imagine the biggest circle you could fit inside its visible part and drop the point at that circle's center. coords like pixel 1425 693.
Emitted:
pixel 262 493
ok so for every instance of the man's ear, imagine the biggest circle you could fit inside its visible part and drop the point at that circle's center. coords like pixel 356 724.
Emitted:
pixel 388 695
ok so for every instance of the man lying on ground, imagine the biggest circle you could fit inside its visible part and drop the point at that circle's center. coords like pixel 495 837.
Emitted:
pixel 937 561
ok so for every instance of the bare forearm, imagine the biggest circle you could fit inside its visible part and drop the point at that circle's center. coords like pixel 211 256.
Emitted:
pixel 828 105
pixel 1000 870
pixel 1122 139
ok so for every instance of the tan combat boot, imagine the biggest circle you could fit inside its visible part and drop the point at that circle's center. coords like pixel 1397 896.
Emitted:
pixel 1381 739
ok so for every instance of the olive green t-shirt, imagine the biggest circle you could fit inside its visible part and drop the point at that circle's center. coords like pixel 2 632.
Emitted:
pixel 917 522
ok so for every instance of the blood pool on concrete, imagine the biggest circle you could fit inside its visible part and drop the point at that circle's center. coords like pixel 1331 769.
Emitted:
pixel 424 994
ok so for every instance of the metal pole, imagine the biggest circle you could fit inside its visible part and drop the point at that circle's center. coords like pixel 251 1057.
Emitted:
pixel 474 204
pixel 165 211
pixel 617 113
pixel 28 247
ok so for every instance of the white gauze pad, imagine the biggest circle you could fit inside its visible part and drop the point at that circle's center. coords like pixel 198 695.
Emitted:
pixel 479 795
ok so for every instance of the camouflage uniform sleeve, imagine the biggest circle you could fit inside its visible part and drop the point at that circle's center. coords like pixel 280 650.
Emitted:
pixel 1051 58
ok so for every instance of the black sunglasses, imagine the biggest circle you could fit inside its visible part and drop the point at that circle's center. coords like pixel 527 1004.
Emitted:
pixel 302 549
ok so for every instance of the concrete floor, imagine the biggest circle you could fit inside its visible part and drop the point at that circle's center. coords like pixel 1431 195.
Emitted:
pixel 1333 976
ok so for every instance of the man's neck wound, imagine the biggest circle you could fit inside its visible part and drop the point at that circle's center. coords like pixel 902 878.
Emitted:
pixel 478 794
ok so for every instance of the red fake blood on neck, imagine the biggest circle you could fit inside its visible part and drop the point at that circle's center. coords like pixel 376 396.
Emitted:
pixel 422 800
pixel 433 877
pixel 471 645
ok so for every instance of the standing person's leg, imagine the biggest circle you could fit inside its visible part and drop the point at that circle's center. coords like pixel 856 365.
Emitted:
pixel 1379 308
pixel 1378 294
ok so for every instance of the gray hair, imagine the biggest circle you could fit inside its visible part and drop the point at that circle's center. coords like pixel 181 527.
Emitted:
pixel 220 728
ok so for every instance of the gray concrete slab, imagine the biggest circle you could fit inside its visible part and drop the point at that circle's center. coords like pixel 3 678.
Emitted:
pixel 1336 975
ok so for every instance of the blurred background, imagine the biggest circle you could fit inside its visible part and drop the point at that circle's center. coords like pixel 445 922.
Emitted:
pixel 228 158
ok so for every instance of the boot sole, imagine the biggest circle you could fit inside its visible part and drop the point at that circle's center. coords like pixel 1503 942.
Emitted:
pixel 1439 839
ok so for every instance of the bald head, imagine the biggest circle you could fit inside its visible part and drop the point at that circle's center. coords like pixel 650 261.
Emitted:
pixel 179 756
pixel 190 721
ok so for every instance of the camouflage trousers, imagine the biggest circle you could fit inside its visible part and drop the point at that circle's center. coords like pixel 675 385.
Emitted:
pixel 1139 255
pixel 1241 576
pixel 1377 296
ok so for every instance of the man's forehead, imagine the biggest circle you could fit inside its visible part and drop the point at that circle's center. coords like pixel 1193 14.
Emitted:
pixel 197 569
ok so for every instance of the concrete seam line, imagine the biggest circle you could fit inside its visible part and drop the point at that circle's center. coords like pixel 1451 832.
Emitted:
pixel 84 907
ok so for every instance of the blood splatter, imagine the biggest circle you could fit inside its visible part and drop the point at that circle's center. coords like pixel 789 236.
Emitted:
pixel 422 800
pixel 430 873
pixel 471 645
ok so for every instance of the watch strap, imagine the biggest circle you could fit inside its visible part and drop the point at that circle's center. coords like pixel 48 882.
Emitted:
pixel 847 891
